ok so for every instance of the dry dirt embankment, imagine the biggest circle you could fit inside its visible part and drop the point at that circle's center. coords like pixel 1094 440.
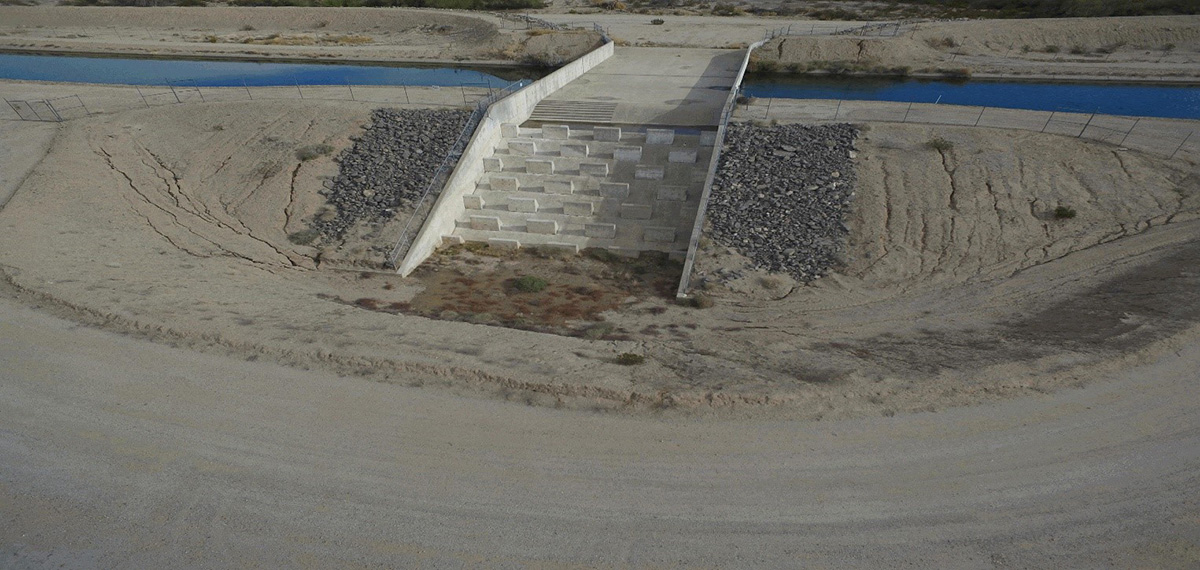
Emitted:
pixel 362 34
pixel 179 230
pixel 1166 47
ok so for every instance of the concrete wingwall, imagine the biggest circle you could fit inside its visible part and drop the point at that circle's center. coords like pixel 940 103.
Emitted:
pixel 515 108
pixel 698 227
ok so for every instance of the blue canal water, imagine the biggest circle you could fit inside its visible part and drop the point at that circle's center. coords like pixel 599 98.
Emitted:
pixel 231 73
pixel 1181 102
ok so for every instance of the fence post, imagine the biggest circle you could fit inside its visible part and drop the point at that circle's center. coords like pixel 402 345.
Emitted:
pixel 139 90
pixel 85 109
pixel 906 111
pixel 838 111
pixel 351 88
pixel 1135 124
pixel 173 92
pixel 407 101
pixel 198 92
pixel 1181 143
pixel 248 94
pixel 1048 119
pixel 297 83
pixel 981 112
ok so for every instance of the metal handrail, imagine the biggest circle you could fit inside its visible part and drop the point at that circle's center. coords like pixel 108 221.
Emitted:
pixel 448 163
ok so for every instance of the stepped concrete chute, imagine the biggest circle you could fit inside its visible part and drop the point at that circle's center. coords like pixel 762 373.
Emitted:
pixel 614 158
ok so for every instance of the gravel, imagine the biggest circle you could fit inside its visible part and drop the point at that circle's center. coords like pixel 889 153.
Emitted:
pixel 781 196
pixel 389 166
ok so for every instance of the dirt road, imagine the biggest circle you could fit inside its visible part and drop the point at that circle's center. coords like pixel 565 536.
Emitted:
pixel 121 453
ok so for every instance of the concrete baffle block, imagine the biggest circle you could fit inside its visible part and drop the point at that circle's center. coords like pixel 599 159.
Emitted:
pixel 627 153
pixel 636 211
pixel 556 132
pixel 593 168
pixel 686 156
pixel 487 223
pixel 473 202
pixel 708 138
pixel 647 172
pixel 510 130
pixel 501 243
pixel 493 164
pixel 573 149
pixel 660 136
pixel 544 227
pixel 523 146
pixel 578 208
pixel 504 183
pixel 559 186
pixel 539 166
pixel 524 205
pixel 607 134
pixel 618 190
pixel 560 247
pixel 673 193
pixel 659 234
pixel 606 231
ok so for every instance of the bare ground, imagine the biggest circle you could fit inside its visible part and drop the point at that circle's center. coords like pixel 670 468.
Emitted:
pixel 181 233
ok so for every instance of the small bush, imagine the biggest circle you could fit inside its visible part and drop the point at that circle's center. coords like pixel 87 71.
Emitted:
pixel 1078 50
pixel 939 144
pixel 303 237
pixel 530 284
pixel 1050 49
pixel 765 66
pixel 726 10
pixel 657 22
pixel 310 152
pixel 630 359
pixel 697 301
pixel 598 331
pixel 1064 213
pixel 247 28
pixel 1168 47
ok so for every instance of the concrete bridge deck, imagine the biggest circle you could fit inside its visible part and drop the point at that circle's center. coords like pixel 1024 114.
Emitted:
pixel 648 86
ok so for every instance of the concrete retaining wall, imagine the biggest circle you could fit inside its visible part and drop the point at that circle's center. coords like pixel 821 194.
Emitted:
pixel 515 108
pixel 698 227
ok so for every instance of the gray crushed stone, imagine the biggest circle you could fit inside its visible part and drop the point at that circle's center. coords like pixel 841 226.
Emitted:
pixel 389 166
pixel 782 194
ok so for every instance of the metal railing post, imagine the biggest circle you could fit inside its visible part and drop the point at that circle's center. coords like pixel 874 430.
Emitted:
pixel 1181 143
pixel 1134 126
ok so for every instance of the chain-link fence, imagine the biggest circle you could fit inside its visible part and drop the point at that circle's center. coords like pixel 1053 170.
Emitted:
pixel 115 98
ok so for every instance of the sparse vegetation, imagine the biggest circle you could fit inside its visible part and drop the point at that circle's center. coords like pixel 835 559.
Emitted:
pixel 1064 213
pixel 657 22
pixel 1078 50
pixel 1051 48
pixel 939 144
pixel 307 153
pixel 530 284
pixel 303 237
pixel 630 359
pixel 698 301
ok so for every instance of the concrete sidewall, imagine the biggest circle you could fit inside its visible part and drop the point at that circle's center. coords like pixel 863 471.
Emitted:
pixel 515 108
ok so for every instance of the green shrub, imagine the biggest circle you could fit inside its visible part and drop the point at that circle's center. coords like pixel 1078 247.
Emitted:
pixel 1064 213
pixel 1050 49
pixel 312 151
pixel 530 284
pixel 657 22
pixel 1078 50
pixel 630 359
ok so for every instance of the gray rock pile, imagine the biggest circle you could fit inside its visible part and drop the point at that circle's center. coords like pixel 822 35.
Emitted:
pixel 389 166
pixel 782 194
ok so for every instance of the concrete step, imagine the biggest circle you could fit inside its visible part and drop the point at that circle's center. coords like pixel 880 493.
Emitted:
pixel 622 244
pixel 573 111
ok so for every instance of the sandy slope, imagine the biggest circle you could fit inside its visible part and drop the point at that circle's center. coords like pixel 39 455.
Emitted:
pixel 373 34
pixel 181 232
pixel 996 47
